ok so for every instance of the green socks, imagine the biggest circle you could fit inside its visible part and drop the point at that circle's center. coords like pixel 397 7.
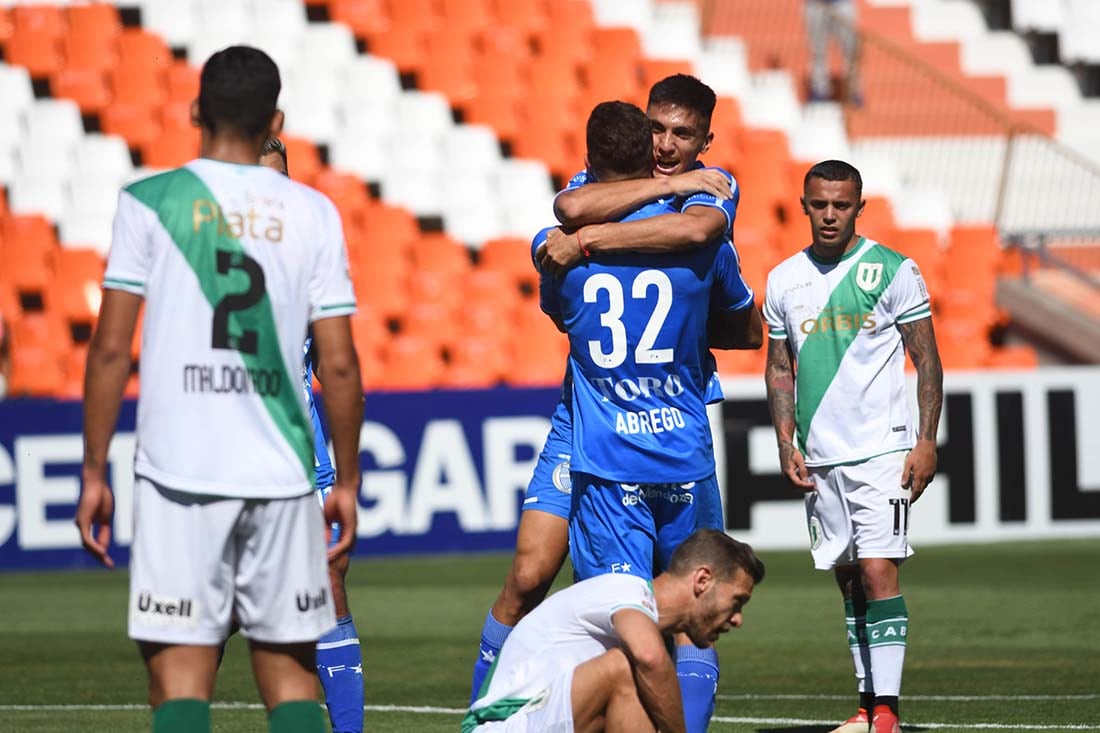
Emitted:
pixel 296 716
pixel 183 715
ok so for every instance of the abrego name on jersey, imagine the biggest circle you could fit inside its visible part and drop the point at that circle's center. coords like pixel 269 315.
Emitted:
pixel 206 211
pixel 835 319
pixel 657 420
pixel 227 379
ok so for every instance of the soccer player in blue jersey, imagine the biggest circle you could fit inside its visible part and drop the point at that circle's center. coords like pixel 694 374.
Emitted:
pixel 642 459
pixel 339 658
pixel 679 110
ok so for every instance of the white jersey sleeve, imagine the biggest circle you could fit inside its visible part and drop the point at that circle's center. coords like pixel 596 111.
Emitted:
pixel 130 258
pixel 773 309
pixel 907 296
pixel 330 289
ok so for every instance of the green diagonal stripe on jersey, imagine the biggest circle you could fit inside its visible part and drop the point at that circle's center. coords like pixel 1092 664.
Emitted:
pixel 173 196
pixel 823 350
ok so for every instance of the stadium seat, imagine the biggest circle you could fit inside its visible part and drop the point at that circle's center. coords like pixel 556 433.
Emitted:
pixel 75 291
pixel 41 330
pixel 137 123
pixel 38 50
pixel 54 120
pixel 512 257
pixel 430 320
pixel 440 253
pixel 1018 356
pixel 87 87
pixel 528 16
pixel 305 161
pixel 141 48
pixel 475 362
pixel 538 353
pixel 411 363
pixel 172 148
pixel 33 195
pixel 35 372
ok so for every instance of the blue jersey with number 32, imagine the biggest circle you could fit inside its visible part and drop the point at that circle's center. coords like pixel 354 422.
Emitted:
pixel 637 329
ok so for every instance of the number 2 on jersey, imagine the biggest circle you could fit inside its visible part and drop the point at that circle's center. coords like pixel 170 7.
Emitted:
pixel 611 319
pixel 246 342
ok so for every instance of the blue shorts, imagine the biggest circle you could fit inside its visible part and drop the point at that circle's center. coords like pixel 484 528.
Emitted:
pixel 634 528
pixel 551 485
pixel 322 494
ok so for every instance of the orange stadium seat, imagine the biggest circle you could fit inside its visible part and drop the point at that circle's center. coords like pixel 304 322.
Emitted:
pixel 453 78
pixel 653 70
pixel 41 330
pixel 85 50
pixel 439 252
pixel 364 17
pixel 135 122
pixel 501 112
pixel 405 47
pixel 35 372
pixel 346 191
pixel 383 291
pixel 391 227
pixel 139 84
pixel 436 288
pixel 466 16
pixel 574 16
pixel 877 220
pixel 101 19
pixel 87 87
pixel 39 52
pixel 476 361
pixel 368 331
pixel 511 256
pixel 429 320
pixel 539 351
pixel 527 15
pixel 172 147
pixel 72 385
pixel 421 15
pixel 549 78
pixel 175 115
pixel 499 74
pixel 923 247
pixel 303 159
pixel 410 363
pixel 488 317
pixel 182 82
pixel 142 48
pixel 29 252
pixel 484 284
pixel 741 362
pixel 559 46
pixel 7 27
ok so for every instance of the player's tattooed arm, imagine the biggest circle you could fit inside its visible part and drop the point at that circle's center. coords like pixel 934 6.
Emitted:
pixel 920 341
pixel 779 378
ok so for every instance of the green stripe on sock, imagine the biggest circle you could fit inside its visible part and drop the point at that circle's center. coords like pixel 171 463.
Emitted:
pixel 297 716
pixel 887 622
pixel 184 715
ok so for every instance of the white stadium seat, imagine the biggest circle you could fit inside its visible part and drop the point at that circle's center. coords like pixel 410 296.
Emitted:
pixel 1079 38
pixel 471 149
pixel 419 191
pixel 37 195
pixel 946 20
pixel 1038 15
pixel 674 33
pixel 820 134
pixel 53 120
pixel 996 52
pixel 724 67
pixel 771 102
pixel 424 113
pixel 43 158
pixel 367 156
pixel 176 21
pixel 636 14
pixel 104 156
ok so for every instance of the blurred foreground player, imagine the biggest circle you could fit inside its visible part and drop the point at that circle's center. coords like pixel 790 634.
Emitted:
pixel 841 315
pixel 592 657
pixel 234 262
pixel 339 657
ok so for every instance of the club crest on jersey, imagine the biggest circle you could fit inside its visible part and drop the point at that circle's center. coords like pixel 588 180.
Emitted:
pixel 563 482
pixel 868 275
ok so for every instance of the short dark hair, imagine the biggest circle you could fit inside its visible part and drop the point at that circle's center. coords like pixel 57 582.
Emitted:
pixel 723 554
pixel 275 145
pixel 620 141
pixel 835 170
pixel 685 91
pixel 238 91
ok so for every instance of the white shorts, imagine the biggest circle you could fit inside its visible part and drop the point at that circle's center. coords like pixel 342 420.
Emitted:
pixel 858 511
pixel 196 561
pixel 551 711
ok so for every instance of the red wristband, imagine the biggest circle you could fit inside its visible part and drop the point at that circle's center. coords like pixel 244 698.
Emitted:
pixel 584 250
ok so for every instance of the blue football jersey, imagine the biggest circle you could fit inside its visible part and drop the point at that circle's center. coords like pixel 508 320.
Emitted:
pixel 638 353
pixel 728 207
pixel 324 473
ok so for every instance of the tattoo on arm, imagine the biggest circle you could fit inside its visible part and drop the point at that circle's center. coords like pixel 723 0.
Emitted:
pixel 779 377
pixel 920 341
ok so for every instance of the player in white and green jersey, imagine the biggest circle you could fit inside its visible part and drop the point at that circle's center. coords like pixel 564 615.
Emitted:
pixel 233 262
pixel 841 314
pixel 593 656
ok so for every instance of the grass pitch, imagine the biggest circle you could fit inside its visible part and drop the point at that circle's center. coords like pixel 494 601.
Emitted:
pixel 1002 637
